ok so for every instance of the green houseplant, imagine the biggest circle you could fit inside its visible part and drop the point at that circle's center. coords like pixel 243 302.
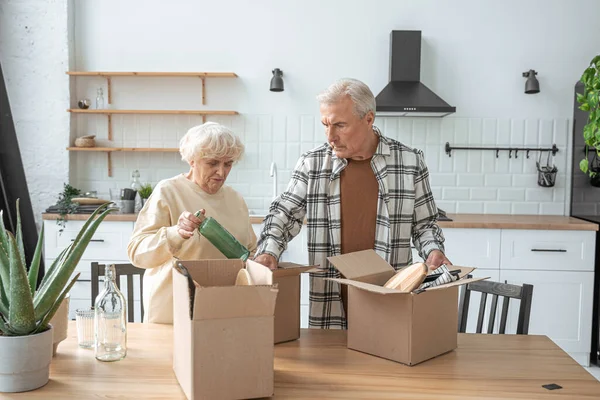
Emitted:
pixel 589 102
pixel 145 192
pixel 26 308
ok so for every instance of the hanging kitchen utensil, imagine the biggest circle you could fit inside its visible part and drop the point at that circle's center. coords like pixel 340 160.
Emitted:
pixel 546 173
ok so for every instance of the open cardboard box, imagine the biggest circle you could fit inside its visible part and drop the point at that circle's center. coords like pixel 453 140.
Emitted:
pixel 407 327
pixel 223 334
pixel 287 309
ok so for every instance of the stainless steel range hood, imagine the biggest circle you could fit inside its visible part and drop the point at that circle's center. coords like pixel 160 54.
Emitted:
pixel 406 95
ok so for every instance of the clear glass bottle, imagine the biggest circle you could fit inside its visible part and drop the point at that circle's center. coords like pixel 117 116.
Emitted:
pixel 136 185
pixel 110 320
pixel 99 99
pixel 224 241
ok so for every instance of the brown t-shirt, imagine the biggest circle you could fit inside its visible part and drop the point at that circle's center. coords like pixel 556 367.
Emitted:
pixel 359 194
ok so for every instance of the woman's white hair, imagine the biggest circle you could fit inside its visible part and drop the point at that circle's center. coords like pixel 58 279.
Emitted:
pixel 210 140
pixel 361 95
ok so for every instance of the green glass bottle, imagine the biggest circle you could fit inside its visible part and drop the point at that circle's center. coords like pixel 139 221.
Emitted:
pixel 224 241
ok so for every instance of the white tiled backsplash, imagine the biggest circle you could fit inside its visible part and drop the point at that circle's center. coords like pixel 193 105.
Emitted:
pixel 467 182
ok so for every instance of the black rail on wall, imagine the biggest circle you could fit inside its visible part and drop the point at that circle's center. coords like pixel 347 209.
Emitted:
pixel 13 184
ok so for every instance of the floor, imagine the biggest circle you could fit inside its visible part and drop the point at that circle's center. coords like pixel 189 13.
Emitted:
pixel 594 370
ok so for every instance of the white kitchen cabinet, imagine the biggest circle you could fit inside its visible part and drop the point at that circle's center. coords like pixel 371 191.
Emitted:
pixel 108 246
pixel 473 247
pixel 561 308
pixel 548 250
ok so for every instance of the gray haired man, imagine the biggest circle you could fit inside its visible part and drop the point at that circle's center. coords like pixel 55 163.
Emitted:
pixel 360 190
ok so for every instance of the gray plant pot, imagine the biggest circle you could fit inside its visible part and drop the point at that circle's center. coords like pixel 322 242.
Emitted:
pixel 25 361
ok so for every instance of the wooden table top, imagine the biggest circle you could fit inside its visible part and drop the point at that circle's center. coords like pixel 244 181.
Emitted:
pixel 320 366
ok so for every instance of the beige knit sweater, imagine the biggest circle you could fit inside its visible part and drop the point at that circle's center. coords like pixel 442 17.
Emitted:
pixel 155 241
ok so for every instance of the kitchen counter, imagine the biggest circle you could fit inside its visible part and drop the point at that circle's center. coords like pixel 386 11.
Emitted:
pixel 84 217
pixel 470 221
pixel 502 221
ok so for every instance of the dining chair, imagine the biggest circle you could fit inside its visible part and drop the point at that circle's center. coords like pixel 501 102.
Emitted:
pixel 127 270
pixel 508 291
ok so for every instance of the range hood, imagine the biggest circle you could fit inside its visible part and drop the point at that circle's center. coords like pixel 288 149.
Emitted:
pixel 405 95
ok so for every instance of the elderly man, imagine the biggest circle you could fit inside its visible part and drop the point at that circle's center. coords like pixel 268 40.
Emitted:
pixel 360 190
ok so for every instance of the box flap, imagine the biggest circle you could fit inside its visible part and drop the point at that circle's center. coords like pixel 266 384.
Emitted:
pixel 209 273
pixel 291 269
pixel 234 302
pixel 360 264
pixel 367 286
pixel 459 282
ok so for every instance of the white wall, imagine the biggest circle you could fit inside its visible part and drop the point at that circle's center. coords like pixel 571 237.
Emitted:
pixel 34 55
pixel 473 55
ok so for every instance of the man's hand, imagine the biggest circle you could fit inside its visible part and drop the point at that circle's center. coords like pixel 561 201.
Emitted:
pixel 267 260
pixel 187 224
pixel 435 259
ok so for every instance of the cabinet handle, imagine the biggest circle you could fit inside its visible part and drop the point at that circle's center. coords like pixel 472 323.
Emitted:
pixel 92 240
pixel 551 250
pixel 84 280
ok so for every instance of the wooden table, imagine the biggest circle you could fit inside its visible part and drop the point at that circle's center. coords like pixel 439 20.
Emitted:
pixel 319 366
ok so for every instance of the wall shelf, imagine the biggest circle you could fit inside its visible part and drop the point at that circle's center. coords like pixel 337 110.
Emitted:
pixel 110 150
pixel 155 74
pixel 109 75
pixel 110 112
pixel 125 149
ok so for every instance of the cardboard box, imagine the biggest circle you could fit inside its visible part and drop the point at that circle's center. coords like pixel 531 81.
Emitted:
pixel 405 327
pixel 223 334
pixel 287 310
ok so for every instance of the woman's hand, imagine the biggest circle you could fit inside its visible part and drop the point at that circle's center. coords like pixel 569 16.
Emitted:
pixel 188 223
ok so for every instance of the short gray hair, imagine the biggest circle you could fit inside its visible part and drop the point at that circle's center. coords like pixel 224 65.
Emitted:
pixel 361 95
pixel 210 140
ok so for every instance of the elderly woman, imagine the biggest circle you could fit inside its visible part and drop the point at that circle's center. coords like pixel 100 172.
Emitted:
pixel 166 227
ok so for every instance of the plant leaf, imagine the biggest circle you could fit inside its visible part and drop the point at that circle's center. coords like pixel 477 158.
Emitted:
pixel 19 236
pixel 21 316
pixel 4 250
pixel 48 295
pixel 34 268
pixel 5 328
pixel 583 165
pixel 46 320
pixel 53 270
pixel 580 98
pixel 585 106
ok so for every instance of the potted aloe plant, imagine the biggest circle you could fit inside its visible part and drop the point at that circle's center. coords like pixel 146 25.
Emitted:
pixel 26 309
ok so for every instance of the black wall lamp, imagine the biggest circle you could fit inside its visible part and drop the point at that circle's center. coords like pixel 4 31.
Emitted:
pixel 277 81
pixel 531 85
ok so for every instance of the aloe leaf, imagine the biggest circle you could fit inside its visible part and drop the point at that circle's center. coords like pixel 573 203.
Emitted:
pixel 20 313
pixel 44 323
pixel 50 292
pixel 34 268
pixel 19 237
pixel 52 270
pixel 5 328
pixel 4 250
pixel 3 301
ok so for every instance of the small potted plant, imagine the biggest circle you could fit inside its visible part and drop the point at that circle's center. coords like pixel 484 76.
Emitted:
pixel 26 337
pixel 145 192
pixel 589 101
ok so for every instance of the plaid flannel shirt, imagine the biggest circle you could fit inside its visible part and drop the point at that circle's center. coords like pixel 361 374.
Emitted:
pixel 405 210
